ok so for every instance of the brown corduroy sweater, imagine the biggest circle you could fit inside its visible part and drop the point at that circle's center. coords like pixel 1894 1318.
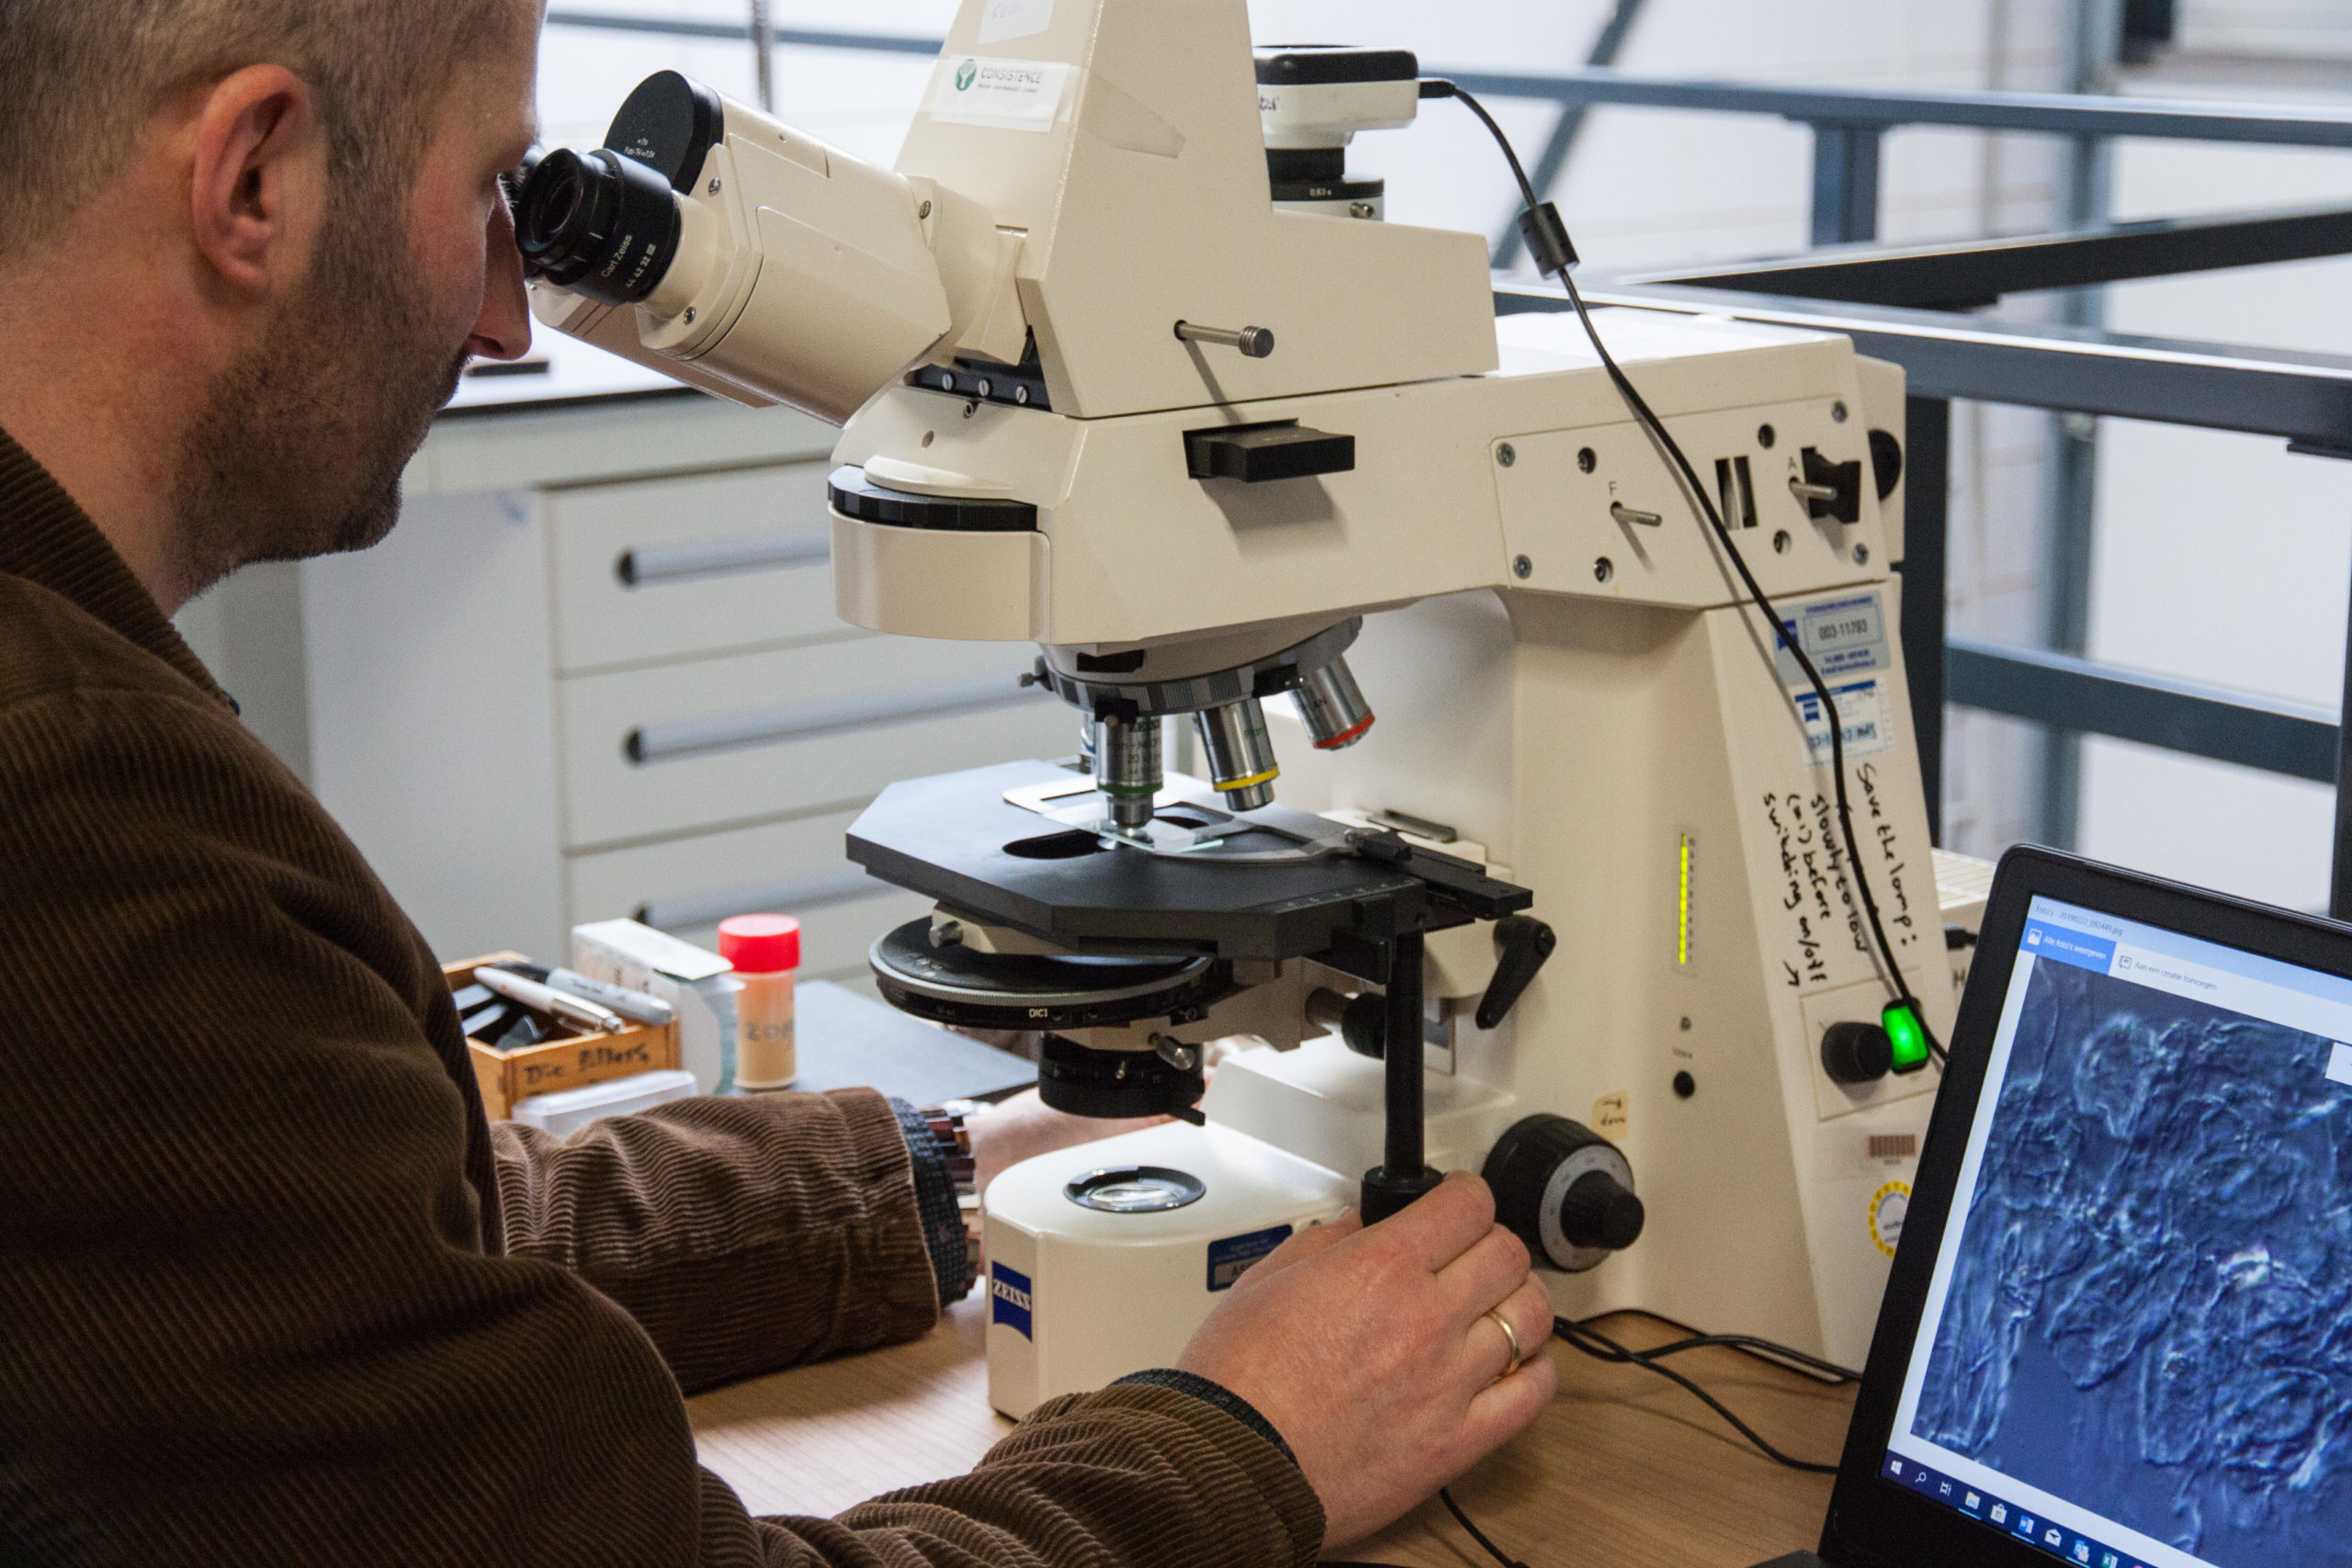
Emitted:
pixel 273 1291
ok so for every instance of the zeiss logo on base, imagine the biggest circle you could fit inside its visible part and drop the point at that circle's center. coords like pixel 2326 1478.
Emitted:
pixel 1009 1301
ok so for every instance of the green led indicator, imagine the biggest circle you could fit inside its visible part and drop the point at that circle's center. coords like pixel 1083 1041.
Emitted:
pixel 1906 1035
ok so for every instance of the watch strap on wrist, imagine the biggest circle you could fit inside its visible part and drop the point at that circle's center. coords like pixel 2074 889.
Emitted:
pixel 954 1263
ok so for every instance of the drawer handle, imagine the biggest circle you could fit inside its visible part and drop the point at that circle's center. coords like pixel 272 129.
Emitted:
pixel 844 884
pixel 796 721
pixel 650 564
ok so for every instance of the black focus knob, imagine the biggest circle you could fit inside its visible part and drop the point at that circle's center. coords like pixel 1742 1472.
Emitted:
pixel 1856 1053
pixel 1597 1210
pixel 1565 1190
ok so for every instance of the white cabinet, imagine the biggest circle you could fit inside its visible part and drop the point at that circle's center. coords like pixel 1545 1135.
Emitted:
pixel 577 683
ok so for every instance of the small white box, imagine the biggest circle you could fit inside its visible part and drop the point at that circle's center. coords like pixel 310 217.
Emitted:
pixel 569 1109
pixel 695 981
pixel 2339 1064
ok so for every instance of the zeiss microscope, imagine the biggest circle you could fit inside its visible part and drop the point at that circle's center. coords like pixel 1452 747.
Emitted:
pixel 1130 367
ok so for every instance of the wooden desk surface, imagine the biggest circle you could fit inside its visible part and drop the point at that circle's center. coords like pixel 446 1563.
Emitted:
pixel 1624 1470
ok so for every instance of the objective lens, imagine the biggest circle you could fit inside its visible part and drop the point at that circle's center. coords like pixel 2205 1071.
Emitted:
pixel 1333 706
pixel 1126 768
pixel 1240 753
pixel 598 224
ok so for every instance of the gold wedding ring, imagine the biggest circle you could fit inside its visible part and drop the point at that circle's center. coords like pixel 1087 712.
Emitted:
pixel 1509 1334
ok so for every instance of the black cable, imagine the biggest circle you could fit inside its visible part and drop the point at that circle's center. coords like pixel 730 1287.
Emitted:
pixel 1764 1349
pixel 1497 1552
pixel 1697 493
pixel 1600 1347
pixel 1747 1344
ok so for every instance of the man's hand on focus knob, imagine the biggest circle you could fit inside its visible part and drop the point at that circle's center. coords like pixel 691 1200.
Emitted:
pixel 1371 1353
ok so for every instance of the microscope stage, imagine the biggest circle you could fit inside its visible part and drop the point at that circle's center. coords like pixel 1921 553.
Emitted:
pixel 947 837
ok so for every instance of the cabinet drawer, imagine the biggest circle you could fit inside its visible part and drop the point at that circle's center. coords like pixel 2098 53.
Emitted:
pixel 683 746
pixel 670 569
pixel 799 868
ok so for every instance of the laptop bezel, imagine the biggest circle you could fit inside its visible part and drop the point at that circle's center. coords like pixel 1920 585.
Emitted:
pixel 1875 1522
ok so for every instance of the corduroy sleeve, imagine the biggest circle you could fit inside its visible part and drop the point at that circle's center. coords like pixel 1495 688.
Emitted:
pixel 1131 1476
pixel 742 1234
pixel 248 1314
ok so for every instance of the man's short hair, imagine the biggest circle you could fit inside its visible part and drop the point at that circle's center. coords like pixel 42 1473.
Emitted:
pixel 83 78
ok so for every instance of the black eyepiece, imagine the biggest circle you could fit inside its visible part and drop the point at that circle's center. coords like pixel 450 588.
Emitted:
pixel 598 224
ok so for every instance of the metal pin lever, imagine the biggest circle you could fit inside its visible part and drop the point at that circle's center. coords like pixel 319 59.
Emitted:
pixel 1255 343
pixel 1805 492
pixel 1521 945
pixel 1627 515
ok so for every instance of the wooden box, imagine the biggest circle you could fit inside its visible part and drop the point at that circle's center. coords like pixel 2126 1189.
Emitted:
pixel 574 1062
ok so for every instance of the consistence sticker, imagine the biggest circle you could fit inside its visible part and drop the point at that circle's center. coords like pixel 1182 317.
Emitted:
pixel 1014 94
pixel 1009 1300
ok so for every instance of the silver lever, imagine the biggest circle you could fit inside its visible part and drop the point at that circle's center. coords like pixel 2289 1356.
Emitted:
pixel 1805 492
pixel 1624 513
pixel 1255 343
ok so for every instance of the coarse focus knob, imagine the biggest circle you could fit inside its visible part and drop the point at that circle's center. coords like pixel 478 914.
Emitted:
pixel 1597 1212
pixel 1856 1053
pixel 1565 1190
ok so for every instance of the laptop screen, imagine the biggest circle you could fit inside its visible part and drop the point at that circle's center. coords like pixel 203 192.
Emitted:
pixel 2136 1350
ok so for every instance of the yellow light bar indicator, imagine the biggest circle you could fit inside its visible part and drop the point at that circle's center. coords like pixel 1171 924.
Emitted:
pixel 1682 902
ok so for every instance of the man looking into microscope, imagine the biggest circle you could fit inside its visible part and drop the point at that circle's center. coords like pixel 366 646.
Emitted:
pixel 276 1292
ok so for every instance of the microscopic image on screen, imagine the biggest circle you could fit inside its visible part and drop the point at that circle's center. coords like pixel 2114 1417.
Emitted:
pixel 2150 1314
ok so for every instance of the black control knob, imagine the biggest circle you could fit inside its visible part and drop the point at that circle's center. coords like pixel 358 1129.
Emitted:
pixel 1856 1053
pixel 1599 1211
pixel 1565 1190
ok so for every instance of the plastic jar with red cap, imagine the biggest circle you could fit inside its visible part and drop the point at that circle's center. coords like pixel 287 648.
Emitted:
pixel 765 950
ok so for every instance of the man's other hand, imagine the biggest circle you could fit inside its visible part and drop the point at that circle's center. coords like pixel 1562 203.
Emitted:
pixel 1371 1352
pixel 1025 1126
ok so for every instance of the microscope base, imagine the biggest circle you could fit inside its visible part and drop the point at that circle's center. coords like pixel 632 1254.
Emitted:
pixel 1079 1296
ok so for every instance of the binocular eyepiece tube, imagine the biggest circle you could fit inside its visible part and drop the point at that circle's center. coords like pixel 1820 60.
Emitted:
pixel 597 223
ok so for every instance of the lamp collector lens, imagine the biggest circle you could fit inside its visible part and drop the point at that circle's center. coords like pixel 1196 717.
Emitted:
pixel 598 224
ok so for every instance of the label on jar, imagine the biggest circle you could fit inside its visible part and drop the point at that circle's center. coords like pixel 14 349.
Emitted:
pixel 765 1057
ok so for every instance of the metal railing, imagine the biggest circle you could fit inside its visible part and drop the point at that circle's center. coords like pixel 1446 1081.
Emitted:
pixel 1896 304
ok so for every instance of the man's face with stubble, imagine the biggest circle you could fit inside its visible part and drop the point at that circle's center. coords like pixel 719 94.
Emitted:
pixel 300 450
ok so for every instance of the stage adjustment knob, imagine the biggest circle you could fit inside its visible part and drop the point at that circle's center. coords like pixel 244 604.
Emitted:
pixel 1566 1191
pixel 1856 1053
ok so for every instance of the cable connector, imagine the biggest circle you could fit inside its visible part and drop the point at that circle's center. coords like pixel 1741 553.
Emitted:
pixel 1546 234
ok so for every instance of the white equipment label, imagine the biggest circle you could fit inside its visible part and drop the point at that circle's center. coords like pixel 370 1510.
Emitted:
pixel 1014 94
pixel 1002 20
pixel 1842 636
pixel 2339 1064
pixel 1862 715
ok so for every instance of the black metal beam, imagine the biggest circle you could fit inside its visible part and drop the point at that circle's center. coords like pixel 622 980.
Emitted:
pixel 2339 901
pixel 2057 113
pixel 1845 183
pixel 1926 501
pixel 2303 398
pixel 2067 693
pixel 1971 272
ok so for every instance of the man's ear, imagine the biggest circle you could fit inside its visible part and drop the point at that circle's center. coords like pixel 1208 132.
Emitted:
pixel 258 183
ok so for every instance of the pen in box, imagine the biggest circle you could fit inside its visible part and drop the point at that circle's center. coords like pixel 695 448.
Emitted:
pixel 546 998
